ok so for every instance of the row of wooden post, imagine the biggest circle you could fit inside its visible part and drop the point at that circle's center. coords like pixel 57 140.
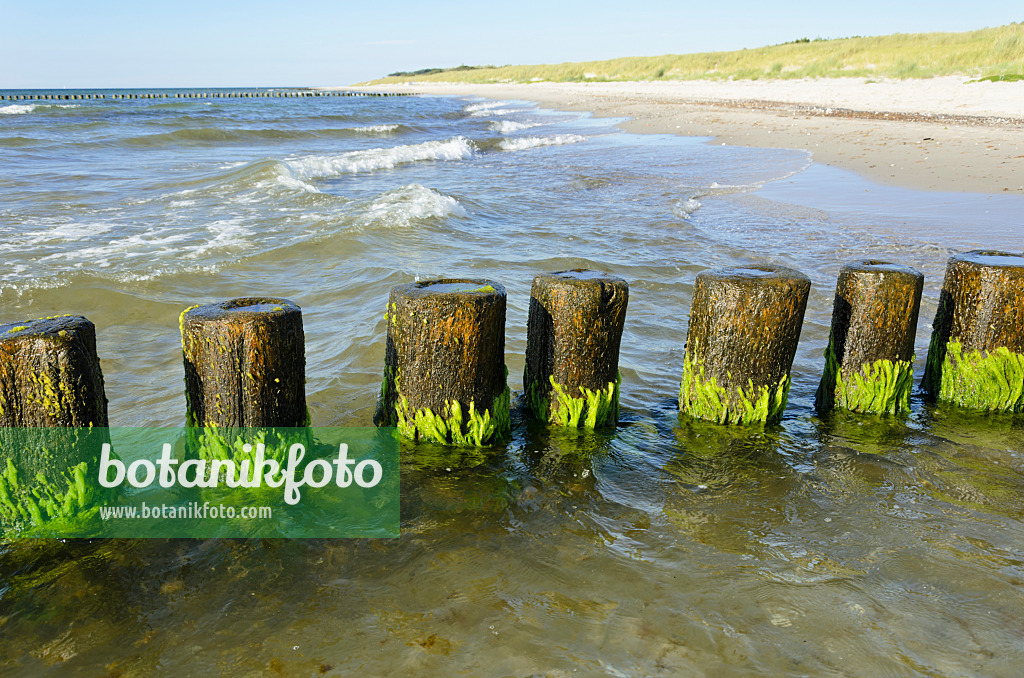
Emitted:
pixel 272 94
pixel 445 379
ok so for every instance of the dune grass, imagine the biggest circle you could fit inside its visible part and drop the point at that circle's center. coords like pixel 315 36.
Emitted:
pixel 989 52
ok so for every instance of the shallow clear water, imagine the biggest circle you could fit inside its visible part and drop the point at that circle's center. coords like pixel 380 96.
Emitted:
pixel 848 546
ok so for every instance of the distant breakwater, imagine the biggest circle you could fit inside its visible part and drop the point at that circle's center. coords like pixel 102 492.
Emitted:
pixel 272 94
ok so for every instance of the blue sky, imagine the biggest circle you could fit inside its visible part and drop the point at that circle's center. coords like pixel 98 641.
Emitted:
pixel 58 43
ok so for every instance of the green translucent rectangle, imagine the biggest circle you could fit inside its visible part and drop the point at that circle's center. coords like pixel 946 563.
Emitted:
pixel 161 482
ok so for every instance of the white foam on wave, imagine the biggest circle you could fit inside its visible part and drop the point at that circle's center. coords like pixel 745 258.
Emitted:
pixel 498 111
pixel 522 143
pixel 509 126
pixel 21 109
pixel 685 208
pixel 485 106
pixel 312 166
pixel 376 129
pixel 17 109
pixel 284 178
pixel 400 207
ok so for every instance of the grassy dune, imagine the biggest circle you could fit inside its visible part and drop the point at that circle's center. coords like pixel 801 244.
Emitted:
pixel 986 52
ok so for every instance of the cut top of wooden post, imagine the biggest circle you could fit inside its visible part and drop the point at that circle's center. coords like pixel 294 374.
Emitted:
pixel 50 374
pixel 245 363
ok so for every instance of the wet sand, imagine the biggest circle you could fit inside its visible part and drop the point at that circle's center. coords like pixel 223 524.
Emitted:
pixel 943 134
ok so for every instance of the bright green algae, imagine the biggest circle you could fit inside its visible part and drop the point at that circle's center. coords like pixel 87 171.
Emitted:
pixel 36 509
pixel 980 380
pixel 703 398
pixel 458 425
pixel 881 387
pixel 595 408
pixel 454 427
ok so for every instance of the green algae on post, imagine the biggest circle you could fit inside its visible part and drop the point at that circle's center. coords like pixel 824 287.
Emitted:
pixel 444 373
pixel 572 350
pixel 744 327
pixel 51 399
pixel 976 352
pixel 245 364
pixel 869 361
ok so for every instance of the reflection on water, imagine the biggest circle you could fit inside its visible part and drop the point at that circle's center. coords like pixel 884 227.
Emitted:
pixel 846 546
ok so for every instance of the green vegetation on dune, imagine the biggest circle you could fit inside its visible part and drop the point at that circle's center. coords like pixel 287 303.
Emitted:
pixel 984 53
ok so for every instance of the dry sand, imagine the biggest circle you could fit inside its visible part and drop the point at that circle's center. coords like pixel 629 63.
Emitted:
pixel 939 134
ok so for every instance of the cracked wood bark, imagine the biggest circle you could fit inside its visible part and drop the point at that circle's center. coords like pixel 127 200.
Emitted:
pixel 572 350
pixel 744 327
pixel 245 363
pixel 444 372
pixel 976 353
pixel 869 361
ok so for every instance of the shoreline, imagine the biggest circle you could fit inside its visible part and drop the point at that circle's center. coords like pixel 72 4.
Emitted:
pixel 941 134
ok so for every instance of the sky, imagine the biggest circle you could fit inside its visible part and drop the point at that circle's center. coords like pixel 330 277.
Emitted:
pixel 192 43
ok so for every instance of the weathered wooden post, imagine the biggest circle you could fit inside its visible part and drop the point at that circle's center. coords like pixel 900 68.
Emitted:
pixel 50 375
pixel 744 326
pixel 572 347
pixel 444 369
pixel 869 362
pixel 53 415
pixel 976 355
pixel 245 364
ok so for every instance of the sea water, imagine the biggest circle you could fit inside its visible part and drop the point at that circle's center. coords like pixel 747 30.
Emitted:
pixel 850 545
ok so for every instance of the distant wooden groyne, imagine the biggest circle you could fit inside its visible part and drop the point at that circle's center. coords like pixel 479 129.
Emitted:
pixel 269 94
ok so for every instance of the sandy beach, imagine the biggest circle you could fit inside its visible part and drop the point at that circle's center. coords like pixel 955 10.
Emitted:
pixel 944 134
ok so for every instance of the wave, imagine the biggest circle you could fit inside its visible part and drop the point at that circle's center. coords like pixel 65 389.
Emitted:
pixel 523 143
pixel 18 109
pixel 484 106
pixel 498 111
pixel 21 109
pixel 509 126
pixel 377 129
pixel 14 142
pixel 312 166
pixel 685 208
pixel 403 206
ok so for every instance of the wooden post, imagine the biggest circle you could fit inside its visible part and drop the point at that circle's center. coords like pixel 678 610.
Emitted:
pixel 444 370
pixel 744 327
pixel 50 375
pixel 53 419
pixel 245 364
pixel 572 347
pixel 869 362
pixel 976 355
